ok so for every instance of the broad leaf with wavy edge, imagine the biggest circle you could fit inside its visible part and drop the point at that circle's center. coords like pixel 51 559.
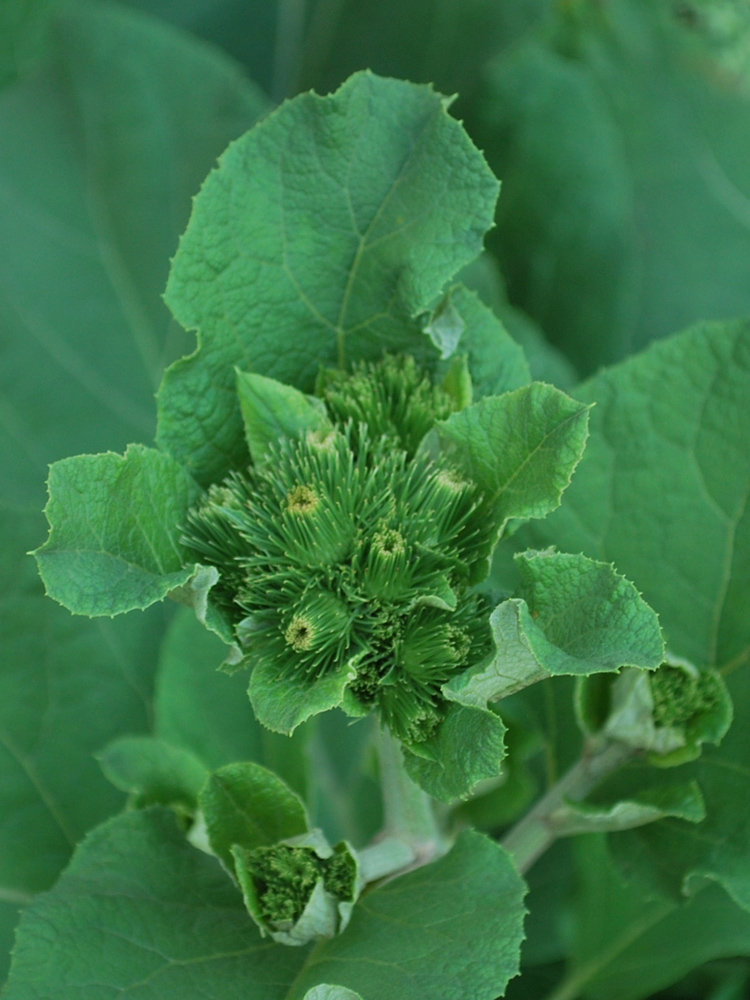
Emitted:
pixel 346 216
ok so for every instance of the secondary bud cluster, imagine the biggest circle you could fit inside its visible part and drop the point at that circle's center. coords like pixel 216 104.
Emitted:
pixel 346 546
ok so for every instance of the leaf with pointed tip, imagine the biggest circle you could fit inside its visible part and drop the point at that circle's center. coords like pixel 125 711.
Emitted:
pixel 468 747
pixel 114 542
pixel 271 410
pixel 247 805
pixel 520 448
pixel 153 772
pixel 334 212
pixel 575 616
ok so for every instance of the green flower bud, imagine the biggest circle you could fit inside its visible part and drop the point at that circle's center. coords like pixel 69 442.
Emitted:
pixel 342 551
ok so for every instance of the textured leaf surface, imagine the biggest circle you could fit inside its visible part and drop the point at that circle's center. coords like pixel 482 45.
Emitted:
pixel 496 362
pixel 248 805
pixel 574 616
pixel 139 910
pixel 469 747
pixel 114 531
pixel 100 153
pixel 346 215
pixel 663 491
pixel 521 448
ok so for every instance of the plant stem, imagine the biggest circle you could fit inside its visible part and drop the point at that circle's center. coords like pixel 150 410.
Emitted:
pixel 532 835
pixel 409 815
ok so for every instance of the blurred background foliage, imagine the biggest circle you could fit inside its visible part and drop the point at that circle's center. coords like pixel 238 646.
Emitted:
pixel 621 132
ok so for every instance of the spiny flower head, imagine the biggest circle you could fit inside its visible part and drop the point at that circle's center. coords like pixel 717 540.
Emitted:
pixel 344 547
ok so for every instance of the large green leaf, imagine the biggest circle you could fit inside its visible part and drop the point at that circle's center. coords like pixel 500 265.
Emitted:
pixel 67 687
pixel 663 490
pixel 100 153
pixel 625 169
pixel 114 542
pixel 346 216
pixel 141 911
pixel 452 929
pixel 88 217
pixel 627 946
pixel 663 486
pixel 573 615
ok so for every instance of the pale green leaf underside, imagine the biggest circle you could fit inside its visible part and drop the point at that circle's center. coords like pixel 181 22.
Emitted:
pixel 141 911
pixel 520 448
pixel 246 804
pixel 575 616
pixel 114 531
pixel 346 216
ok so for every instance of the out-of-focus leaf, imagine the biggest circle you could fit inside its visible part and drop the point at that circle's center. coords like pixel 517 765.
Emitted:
pixel 626 206
pixel 100 153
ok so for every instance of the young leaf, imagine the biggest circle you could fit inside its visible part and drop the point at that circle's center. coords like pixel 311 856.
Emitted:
pixel 469 747
pixel 114 531
pixel 496 362
pixel 301 699
pixel 645 806
pixel 246 804
pixel 520 448
pixel 271 410
pixel 153 772
pixel 341 200
pixel 574 616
